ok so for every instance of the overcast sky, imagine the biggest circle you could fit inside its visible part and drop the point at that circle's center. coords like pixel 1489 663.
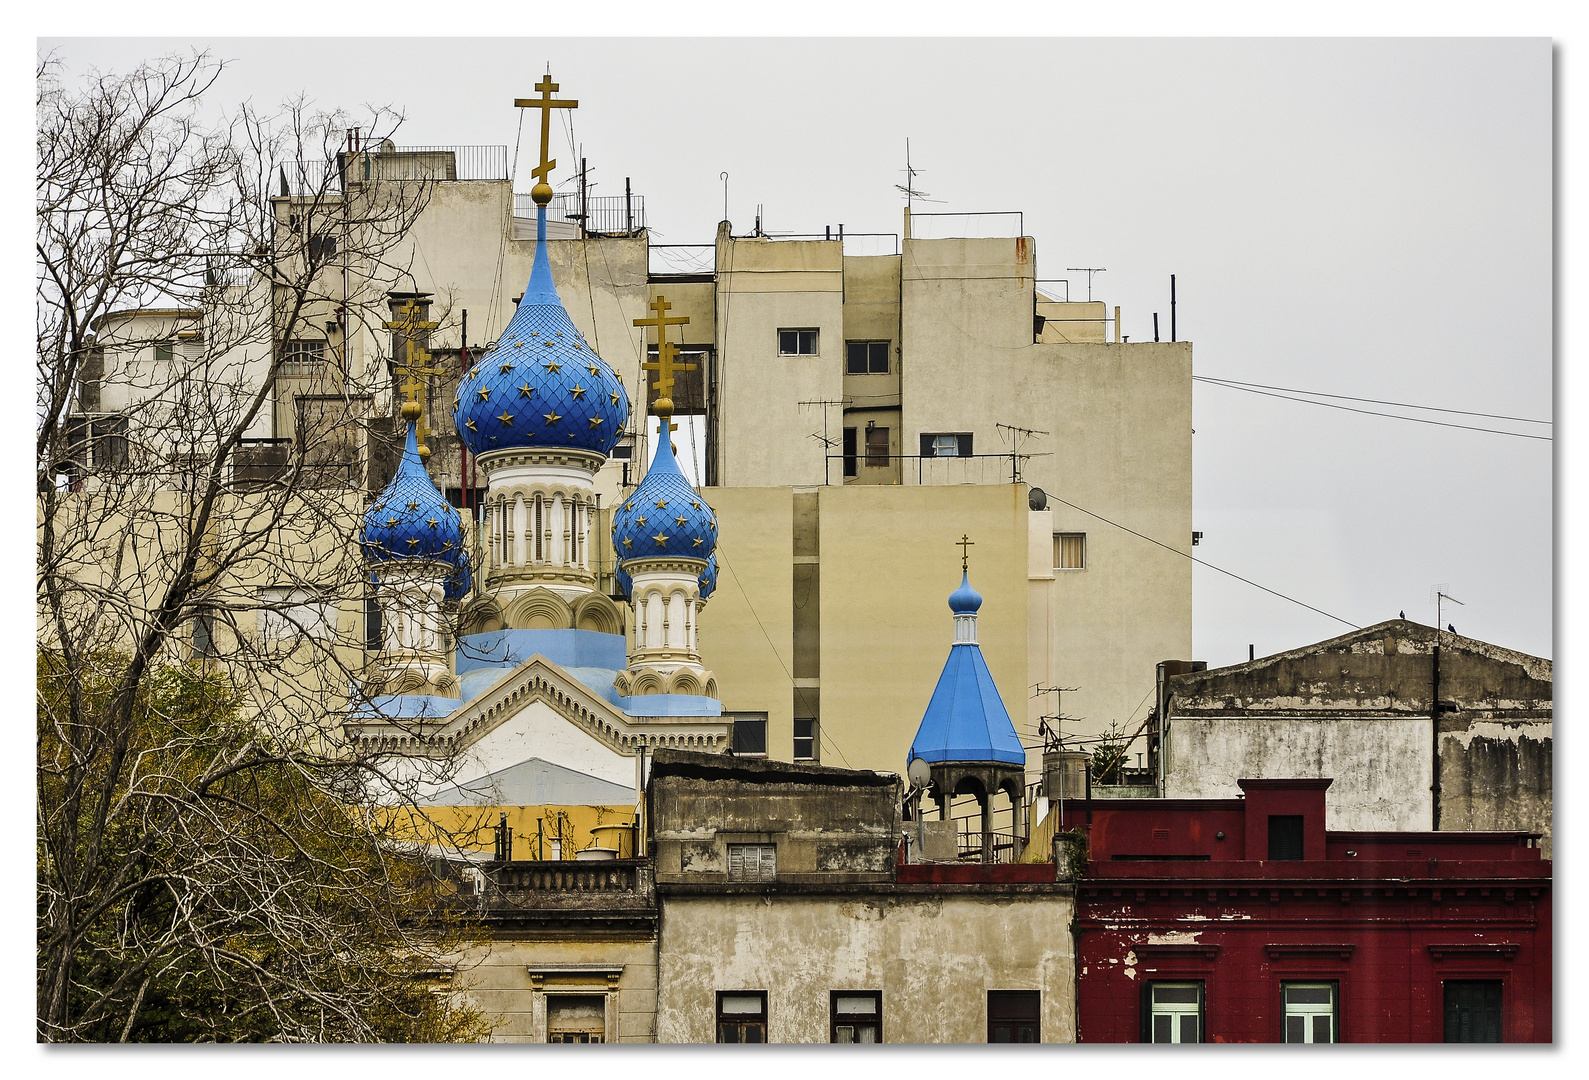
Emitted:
pixel 1368 218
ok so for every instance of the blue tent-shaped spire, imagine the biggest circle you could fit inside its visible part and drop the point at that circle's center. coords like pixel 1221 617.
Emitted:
pixel 966 721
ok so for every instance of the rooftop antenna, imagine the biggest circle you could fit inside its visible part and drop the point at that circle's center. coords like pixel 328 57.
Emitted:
pixel 1089 271
pixel 724 177
pixel 1440 597
pixel 1017 436
pixel 909 188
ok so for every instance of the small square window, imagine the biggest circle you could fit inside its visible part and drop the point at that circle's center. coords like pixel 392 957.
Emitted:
pixel 946 444
pixel 576 1018
pixel 1309 1013
pixel 164 352
pixel 742 1016
pixel 1014 1016
pixel 797 343
pixel 866 358
pixel 750 736
pixel 857 1016
pixel 1070 551
pixel 1285 837
pixel 1175 1012
pixel 752 862
pixel 304 359
pixel 805 739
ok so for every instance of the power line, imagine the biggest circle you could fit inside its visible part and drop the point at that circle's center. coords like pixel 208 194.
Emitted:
pixel 1371 412
pixel 1211 566
pixel 1371 401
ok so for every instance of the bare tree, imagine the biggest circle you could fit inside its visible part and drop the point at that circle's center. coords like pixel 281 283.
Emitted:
pixel 214 859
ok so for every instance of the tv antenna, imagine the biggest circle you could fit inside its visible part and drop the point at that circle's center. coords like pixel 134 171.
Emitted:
pixel 1053 736
pixel 909 186
pixel 1017 435
pixel 827 442
pixel 1440 596
pixel 1089 271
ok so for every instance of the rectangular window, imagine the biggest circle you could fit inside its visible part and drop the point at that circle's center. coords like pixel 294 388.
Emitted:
pixel 373 632
pixel 287 614
pixel 797 343
pixel 1473 1010
pixel 805 739
pixel 866 358
pixel 1174 1012
pixel 302 358
pixel 164 352
pixel 204 636
pixel 576 1018
pixel 1070 551
pixel 1013 1016
pixel 96 443
pixel 857 1016
pixel 742 1016
pixel 946 444
pixel 1309 1013
pixel 1285 837
pixel 850 451
pixel 876 447
pixel 750 736
pixel 752 862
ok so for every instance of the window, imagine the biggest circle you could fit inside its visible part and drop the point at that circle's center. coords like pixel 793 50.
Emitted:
pixel 752 862
pixel 866 358
pixel 742 1016
pixel 576 1018
pixel 1013 1016
pixel 1070 551
pixel 797 343
pixel 373 632
pixel 946 444
pixel 1473 1010
pixel 849 451
pixel 1309 1012
pixel 1174 1012
pixel 857 1016
pixel 876 447
pixel 1285 837
pixel 204 636
pixel 287 614
pixel 96 442
pixel 750 735
pixel 805 739
pixel 302 358
pixel 164 352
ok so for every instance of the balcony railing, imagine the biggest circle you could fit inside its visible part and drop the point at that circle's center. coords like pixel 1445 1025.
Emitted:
pixel 606 215
pixel 927 470
pixel 391 162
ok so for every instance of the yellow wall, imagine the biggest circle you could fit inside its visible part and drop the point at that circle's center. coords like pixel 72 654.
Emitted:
pixel 473 827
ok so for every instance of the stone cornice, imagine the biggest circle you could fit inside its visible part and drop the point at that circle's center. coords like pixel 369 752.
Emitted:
pixel 549 455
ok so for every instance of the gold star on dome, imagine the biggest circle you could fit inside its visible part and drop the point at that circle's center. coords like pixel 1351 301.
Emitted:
pixel 548 343
pixel 697 539
pixel 559 333
pixel 553 365
pixel 518 344
pixel 413 504
pixel 592 369
pixel 390 522
pixel 484 393
pixel 526 390
pixel 614 395
pixel 628 542
pixel 640 521
pixel 681 521
pixel 507 366
pixel 629 505
pixel 578 391
pixel 713 523
pixel 413 542
pixel 470 424
pixel 534 333
pixel 433 522
pixel 662 504
pixel 576 344
pixel 455 403
pixel 473 372
pixel 595 421
pixel 695 503
pixel 506 418
pixel 660 539
pixel 551 419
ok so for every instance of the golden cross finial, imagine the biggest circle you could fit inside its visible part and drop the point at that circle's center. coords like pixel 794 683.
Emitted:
pixel 416 356
pixel 665 365
pixel 965 543
pixel 542 191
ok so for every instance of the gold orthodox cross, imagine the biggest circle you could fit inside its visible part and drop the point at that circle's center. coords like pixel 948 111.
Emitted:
pixel 665 365
pixel 964 543
pixel 542 191
pixel 416 357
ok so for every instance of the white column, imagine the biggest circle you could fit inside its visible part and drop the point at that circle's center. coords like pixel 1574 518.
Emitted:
pixel 558 555
pixel 521 532
pixel 678 631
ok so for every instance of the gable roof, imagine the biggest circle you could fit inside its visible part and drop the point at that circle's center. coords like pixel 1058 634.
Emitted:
pixel 966 720
pixel 535 782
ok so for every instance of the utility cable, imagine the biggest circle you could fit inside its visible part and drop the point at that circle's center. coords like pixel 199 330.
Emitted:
pixel 1371 401
pixel 1371 412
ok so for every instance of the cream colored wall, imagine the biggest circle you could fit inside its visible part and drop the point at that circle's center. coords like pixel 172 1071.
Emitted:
pixel 496 979
pixel 1081 321
pixel 933 956
pixel 764 285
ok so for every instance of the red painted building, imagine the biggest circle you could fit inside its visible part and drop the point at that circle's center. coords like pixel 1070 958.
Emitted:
pixel 1244 920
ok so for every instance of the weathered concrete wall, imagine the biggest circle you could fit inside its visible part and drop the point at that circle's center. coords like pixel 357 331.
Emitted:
pixel 933 956
pixel 497 979
pixel 1497 777
pixel 1380 767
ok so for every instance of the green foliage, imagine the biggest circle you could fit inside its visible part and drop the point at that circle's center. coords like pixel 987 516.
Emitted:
pixel 198 881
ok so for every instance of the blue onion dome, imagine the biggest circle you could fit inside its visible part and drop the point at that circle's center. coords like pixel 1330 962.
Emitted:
pixel 625 582
pixel 543 386
pixel 664 515
pixel 965 600
pixel 410 519
pixel 460 581
pixel 709 578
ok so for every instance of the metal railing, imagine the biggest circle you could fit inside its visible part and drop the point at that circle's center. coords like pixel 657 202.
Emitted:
pixel 390 162
pixel 929 470
pixel 606 215
pixel 992 231
pixel 683 258
pixel 1007 843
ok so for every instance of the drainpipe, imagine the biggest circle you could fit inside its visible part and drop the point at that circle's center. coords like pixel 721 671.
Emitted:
pixel 1434 737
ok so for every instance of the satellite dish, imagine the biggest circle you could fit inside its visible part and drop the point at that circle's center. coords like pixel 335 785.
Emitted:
pixel 1037 499
pixel 920 773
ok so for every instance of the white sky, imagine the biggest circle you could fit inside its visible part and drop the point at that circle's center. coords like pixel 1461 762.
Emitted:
pixel 1358 217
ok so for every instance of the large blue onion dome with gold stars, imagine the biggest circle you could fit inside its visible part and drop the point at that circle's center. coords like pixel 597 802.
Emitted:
pixel 664 515
pixel 543 386
pixel 410 519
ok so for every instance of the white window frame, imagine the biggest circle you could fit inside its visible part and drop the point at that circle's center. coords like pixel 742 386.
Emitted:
pixel 1309 1013
pixel 816 340
pixel 1175 1012
pixel 1059 547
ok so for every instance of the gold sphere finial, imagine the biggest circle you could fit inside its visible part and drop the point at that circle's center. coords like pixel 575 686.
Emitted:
pixel 424 452
pixel 663 407
pixel 541 193
pixel 411 410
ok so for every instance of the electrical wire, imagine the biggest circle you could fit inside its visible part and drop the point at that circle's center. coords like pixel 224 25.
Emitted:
pixel 1201 562
pixel 1372 412
pixel 1371 401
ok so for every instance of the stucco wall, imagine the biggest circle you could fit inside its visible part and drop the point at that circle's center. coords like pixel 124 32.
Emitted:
pixel 497 980
pixel 932 956
pixel 1497 776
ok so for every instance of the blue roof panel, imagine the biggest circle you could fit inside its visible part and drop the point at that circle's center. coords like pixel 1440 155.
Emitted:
pixel 966 720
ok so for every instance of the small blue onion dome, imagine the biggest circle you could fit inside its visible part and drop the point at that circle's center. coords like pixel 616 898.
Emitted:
pixel 664 515
pixel 625 582
pixel 965 600
pixel 410 519
pixel 543 385
pixel 460 581
pixel 709 578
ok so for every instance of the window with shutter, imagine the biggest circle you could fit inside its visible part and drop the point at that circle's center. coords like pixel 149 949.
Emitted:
pixel 752 862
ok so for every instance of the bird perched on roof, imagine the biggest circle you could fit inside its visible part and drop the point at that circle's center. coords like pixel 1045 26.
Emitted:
pixel 1450 628
pixel 1401 615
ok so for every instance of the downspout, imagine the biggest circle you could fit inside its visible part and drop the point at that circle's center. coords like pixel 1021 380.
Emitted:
pixel 1434 737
